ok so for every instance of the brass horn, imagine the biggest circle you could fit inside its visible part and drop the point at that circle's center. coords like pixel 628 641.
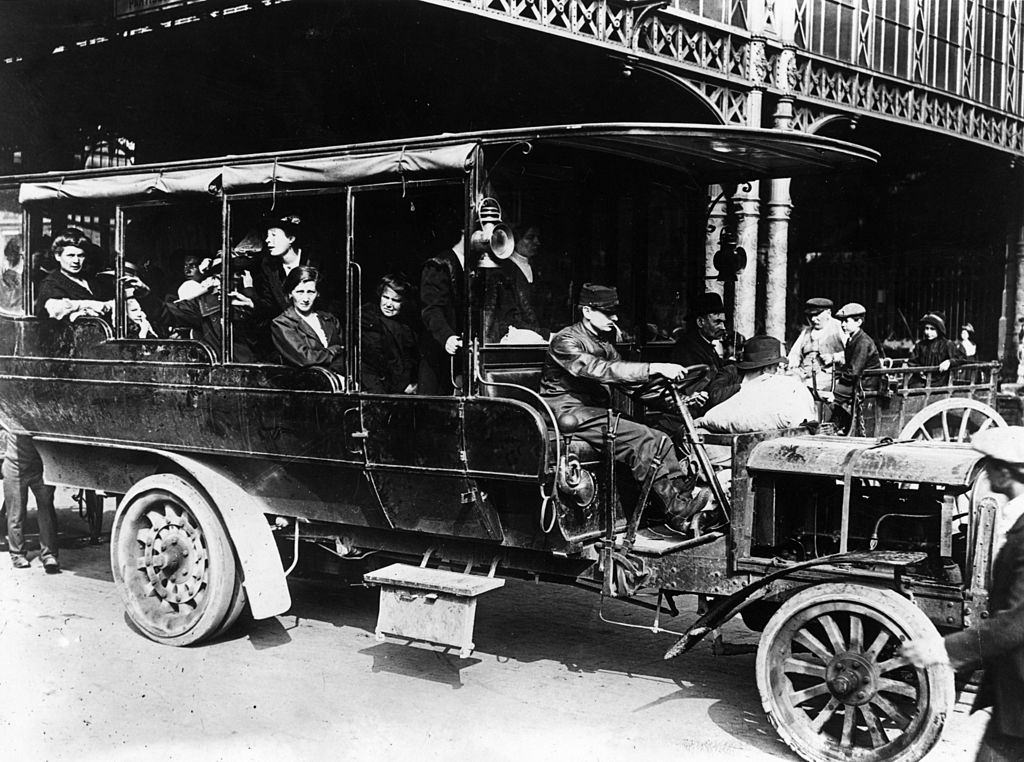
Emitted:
pixel 494 239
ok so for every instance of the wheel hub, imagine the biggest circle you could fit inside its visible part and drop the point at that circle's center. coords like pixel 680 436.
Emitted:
pixel 851 678
pixel 173 557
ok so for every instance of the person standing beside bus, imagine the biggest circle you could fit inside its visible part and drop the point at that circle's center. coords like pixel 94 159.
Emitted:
pixel 443 302
pixel 67 292
pixel 818 350
pixel 995 643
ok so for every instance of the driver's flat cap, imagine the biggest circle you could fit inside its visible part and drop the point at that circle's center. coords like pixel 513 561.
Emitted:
pixel 817 304
pixel 1005 443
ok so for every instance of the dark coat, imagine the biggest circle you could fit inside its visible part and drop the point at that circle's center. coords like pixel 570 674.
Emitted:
pixel 931 353
pixel 202 314
pixel 442 295
pixel 693 349
pixel 57 285
pixel 298 344
pixel 271 300
pixel 388 357
pixel 508 301
pixel 861 355
pixel 578 366
pixel 997 643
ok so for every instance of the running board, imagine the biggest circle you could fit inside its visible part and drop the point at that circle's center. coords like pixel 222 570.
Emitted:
pixel 431 605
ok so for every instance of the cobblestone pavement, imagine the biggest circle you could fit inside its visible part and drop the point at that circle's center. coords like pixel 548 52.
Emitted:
pixel 549 681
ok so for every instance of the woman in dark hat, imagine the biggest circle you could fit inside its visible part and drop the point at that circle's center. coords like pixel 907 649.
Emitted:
pixel 388 359
pixel 934 350
pixel 284 254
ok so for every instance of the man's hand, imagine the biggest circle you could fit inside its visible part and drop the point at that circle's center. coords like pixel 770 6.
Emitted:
pixel 451 346
pixel 926 652
pixel 944 365
pixel 211 285
pixel 697 399
pixel 246 279
pixel 670 370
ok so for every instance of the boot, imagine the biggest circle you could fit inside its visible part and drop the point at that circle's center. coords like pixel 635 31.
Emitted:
pixel 680 502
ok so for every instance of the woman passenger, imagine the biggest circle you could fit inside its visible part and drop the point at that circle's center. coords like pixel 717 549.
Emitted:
pixel 284 254
pixel 302 335
pixel 389 358
pixel 67 292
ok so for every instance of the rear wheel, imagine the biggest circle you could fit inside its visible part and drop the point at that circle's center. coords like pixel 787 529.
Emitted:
pixel 173 562
pixel 834 685
pixel 956 419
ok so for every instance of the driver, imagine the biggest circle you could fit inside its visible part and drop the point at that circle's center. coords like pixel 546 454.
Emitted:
pixel 580 362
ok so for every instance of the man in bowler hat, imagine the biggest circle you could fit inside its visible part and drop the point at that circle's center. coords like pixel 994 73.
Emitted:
pixel 695 346
pixel 581 362
pixel 995 643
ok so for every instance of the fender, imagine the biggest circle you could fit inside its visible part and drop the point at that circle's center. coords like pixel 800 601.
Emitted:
pixel 726 608
pixel 243 514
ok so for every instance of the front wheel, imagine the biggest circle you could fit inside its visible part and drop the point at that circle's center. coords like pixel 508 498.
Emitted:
pixel 173 562
pixel 834 685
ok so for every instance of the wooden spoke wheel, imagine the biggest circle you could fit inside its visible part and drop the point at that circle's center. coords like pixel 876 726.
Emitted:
pixel 834 685
pixel 956 419
pixel 173 562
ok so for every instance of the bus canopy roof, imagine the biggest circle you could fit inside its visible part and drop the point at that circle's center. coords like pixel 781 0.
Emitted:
pixel 709 153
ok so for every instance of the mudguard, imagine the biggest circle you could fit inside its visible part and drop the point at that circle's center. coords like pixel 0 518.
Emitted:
pixel 726 608
pixel 242 513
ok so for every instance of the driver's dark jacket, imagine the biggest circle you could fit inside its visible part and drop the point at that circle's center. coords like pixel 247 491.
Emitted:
pixel 577 366
pixel 997 643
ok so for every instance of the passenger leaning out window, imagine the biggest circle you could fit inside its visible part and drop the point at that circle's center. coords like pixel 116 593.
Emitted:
pixel 67 293
pixel 302 335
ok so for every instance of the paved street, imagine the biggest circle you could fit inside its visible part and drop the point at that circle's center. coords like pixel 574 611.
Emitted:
pixel 548 681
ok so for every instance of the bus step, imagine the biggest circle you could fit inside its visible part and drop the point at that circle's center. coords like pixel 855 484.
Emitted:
pixel 431 605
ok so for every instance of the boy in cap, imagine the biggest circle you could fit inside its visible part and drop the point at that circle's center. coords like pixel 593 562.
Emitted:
pixel 580 363
pixel 861 355
pixel 934 349
pixel 819 347
pixel 995 643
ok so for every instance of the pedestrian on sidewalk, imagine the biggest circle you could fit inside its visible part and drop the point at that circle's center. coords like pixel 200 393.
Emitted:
pixel 22 471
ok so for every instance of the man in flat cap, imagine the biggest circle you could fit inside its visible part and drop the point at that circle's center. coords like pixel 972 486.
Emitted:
pixel 861 354
pixel 581 362
pixel 995 643
pixel 819 348
pixel 696 346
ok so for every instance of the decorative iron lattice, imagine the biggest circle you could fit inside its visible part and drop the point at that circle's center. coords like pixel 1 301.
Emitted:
pixel 725 64
pixel 731 103
pixel 877 95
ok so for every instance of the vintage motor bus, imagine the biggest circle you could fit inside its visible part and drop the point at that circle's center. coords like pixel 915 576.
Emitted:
pixel 227 471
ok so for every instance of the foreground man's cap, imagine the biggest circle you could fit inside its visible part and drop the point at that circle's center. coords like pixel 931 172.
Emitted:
pixel 1005 443
pixel 816 305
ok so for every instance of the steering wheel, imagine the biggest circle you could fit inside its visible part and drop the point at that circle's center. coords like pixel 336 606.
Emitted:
pixel 657 392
